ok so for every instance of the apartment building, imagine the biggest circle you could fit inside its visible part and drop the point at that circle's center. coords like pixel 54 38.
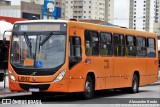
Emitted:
pixel 6 9
pixel 5 3
pixel 88 9
pixel 10 11
pixel 41 2
pixel 141 14
pixel 156 25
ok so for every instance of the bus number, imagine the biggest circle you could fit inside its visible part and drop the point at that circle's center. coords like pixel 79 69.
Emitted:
pixel 24 79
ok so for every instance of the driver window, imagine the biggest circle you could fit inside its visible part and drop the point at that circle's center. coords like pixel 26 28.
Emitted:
pixel 75 51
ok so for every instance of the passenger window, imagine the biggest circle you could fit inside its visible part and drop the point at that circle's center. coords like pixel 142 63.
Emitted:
pixel 141 46
pixel 118 45
pixel 75 51
pixel 131 46
pixel 105 44
pixel 151 48
pixel 92 43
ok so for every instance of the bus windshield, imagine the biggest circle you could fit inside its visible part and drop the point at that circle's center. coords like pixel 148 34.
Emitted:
pixel 38 51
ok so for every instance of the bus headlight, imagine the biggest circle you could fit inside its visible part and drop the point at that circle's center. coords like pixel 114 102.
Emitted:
pixel 60 76
pixel 12 76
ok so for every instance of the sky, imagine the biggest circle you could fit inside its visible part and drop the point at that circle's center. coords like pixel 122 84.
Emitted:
pixel 121 13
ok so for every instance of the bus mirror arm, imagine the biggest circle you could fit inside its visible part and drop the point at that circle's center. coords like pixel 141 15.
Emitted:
pixel 4 41
pixel 4 38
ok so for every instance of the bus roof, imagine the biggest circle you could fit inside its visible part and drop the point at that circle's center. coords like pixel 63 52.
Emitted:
pixel 111 29
pixel 102 28
pixel 34 21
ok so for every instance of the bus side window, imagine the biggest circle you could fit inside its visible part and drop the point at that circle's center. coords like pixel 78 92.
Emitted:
pixel 105 44
pixel 88 43
pixel 131 46
pixel 95 48
pixel 91 43
pixel 119 45
pixel 75 51
pixel 151 47
pixel 141 46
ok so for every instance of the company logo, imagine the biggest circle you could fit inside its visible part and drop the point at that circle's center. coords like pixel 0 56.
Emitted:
pixel 34 73
pixel 6 101
pixel 34 79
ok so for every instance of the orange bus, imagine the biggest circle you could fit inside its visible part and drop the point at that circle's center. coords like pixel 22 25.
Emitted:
pixel 72 56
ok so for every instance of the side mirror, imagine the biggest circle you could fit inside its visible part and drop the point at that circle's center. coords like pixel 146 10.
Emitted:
pixel 4 38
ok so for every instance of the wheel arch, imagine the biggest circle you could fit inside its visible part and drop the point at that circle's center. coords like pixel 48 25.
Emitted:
pixel 136 72
pixel 92 75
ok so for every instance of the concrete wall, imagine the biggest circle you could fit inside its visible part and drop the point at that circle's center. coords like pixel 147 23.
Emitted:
pixel 31 8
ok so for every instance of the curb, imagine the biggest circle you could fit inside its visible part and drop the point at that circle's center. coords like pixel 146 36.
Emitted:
pixel 13 94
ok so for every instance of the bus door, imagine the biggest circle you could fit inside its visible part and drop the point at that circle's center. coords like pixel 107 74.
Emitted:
pixel 152 61
pixel 120 64
pixel 106 59
pixel 76 64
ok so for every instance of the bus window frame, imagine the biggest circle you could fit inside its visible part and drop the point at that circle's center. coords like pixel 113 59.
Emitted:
pixel 152 47
pixel 111 44
pixel 145 46
pixel 134 44
pixel 124 36
pixel 96 31
pixel 70 52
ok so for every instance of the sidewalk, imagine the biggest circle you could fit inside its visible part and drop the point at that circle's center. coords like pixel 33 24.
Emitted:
pixel 5 92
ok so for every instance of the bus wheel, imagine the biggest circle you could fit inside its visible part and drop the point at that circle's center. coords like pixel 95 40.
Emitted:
pixel 89 88
pixel 135 84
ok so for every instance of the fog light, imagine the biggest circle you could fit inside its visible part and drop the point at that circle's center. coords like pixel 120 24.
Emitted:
pixel 12 76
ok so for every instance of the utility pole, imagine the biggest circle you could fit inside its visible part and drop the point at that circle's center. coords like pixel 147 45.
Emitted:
pixel 48 13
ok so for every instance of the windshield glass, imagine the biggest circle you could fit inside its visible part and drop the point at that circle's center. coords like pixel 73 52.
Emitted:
pixel 38 51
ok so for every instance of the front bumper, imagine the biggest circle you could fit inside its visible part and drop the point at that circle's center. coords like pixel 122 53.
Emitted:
pixel 61 86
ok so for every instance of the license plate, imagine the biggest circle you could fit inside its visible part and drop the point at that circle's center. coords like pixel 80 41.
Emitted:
pixel 34 89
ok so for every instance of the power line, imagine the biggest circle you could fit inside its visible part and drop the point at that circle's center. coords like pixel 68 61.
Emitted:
pixel 128 18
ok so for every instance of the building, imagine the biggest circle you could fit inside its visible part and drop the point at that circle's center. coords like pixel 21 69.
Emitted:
pixel 157 18
pixel 109 10
pixel 6 9
pixel 41 2
pixel 10 11
pixel 141 14
pixel 88 9
pixel 30 10
pixel 5 3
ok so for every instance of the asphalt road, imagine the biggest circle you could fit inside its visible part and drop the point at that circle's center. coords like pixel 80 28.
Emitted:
pixel 149 93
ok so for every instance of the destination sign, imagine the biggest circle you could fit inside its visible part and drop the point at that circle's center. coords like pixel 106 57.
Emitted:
pixel 40 27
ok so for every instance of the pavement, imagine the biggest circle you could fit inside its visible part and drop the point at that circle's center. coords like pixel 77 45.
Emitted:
pixel 5 92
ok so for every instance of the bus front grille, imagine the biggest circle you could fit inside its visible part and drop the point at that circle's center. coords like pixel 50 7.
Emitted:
pixel 41 87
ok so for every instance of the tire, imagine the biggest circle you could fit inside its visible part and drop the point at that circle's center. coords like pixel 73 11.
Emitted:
pixel 88 88
pixel 135 84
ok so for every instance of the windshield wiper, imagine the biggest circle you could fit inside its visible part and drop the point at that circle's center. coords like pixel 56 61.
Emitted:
pixel 45 39
pixel 28 42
